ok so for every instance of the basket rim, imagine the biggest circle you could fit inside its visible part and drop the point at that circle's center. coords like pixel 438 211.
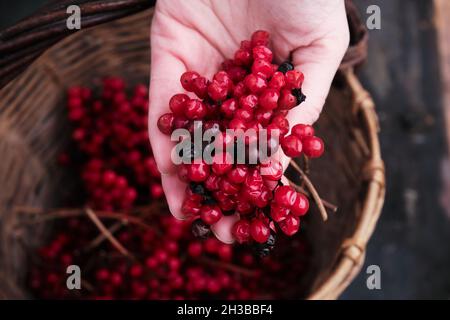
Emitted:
pixel 352 253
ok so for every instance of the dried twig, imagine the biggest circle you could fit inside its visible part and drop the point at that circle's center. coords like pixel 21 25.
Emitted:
pixel 229 267
pixel 101 237
pixel 76 212
pixel 108 235
pixel 326 204
pixel 312 190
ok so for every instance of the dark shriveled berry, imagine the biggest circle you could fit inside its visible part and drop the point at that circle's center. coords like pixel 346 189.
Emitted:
pixel 200 229
pixel 285 67
pixel 208 199
pixel 197 188
pixel 298 94
pixel 264 249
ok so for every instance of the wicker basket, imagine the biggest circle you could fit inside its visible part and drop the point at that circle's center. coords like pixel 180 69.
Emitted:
pixel 33 131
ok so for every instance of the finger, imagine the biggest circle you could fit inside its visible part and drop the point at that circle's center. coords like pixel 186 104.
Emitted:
pixel 166 70
pixel 175 192
pixel 319 63
pixel 222 229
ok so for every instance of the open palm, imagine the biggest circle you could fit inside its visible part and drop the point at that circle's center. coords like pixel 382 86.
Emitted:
pixel 199 34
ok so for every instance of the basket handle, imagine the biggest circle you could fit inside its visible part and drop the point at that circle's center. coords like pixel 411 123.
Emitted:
pixel 24 42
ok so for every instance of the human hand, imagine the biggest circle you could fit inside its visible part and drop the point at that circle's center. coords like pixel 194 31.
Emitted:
pixel 198 35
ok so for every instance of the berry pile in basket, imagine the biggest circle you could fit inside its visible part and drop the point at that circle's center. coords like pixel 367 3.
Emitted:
pixel 164 261
pixel 111 144
pixel 250 92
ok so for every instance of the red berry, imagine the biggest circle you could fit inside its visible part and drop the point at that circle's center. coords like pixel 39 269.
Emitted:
pixel 102 274
pixel 294 79
pixel 156 190
pixel 303 130
pixel 313 147
pixel 244 114
pixel 292 146
pixel 228 187
pixel 130 195
pixel 195 249
pixel 238 174
pixel 242 57
pixel 241 231
pixel 285 196
pixel 271 170
pixel 187 79
pixel 259 231
pixel 229 107
pixel 239 90
pixel 200 87
pixel 237 124
pixel 278 81
pixel 243 206
pixel 217 91
pixel 198 172
pixel 224 79
pixel 165 123
pixel 177 104
pixel 183 172
pixel 290 225
pixel 190 207
pixel 269 99
pixel 300 206
pixel 262 52
pixel 237 74
pixel 249 102
pixel 287 100
pixel 280 122
pixel 278 213
pixel 260 38
pixel 263 200
pixel 262 67
pixel 226 203
pixel 136 271
pixel 222 163
pixel 180 122
pixel 210 214
pixel 195 109
pixel 255 83
pixel 263 116
pixel 109 178
pixel 212 182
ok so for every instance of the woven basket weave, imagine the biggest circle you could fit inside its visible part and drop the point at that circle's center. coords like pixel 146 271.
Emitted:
pixel 33 130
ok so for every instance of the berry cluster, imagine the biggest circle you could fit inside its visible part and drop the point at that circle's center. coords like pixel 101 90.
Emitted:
pixel 250 92
pixel 111 143
pixel 160 270
pixel 165 261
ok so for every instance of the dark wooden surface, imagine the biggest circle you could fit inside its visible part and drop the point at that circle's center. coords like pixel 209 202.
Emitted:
pixel 412 241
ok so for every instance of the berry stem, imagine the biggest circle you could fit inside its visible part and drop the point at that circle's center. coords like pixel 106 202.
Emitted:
pixel 328 205
pixel 108 235
pixel 312 190
pixel 101 237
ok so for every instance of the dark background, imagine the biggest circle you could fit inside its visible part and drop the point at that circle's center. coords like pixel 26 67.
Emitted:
pixel 412 241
